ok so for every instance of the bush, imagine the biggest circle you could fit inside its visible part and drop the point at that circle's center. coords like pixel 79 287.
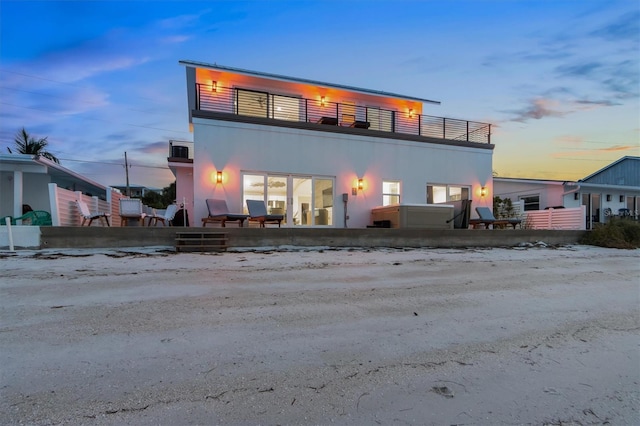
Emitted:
pixel 617 233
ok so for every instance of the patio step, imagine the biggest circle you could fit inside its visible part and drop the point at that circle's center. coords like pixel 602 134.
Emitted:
pixel 201 241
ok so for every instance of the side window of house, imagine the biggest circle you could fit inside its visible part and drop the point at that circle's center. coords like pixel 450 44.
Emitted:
pixel 444 193
pixel 390 192
pixel 531 202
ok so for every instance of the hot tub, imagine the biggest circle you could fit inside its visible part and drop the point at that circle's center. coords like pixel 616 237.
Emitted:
pixel 416 216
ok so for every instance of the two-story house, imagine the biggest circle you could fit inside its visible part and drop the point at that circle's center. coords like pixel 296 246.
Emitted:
pixel 322 154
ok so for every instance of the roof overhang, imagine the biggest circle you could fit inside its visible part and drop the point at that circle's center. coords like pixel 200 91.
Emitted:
pixel 58 174
pixel 196 64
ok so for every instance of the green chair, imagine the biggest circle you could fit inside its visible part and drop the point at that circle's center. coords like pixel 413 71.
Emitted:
pixel 34 218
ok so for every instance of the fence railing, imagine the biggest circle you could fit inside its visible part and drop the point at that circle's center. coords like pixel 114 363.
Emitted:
pixel 64 210
pixel 571 218
pixel 278 107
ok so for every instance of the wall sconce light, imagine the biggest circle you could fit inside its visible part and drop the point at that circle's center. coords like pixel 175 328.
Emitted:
pixel 576 196
pixel 410 112
pixel 359 186
pixel 483 191
pixel 622 198
pixel 214 86
pixel 322 101
pixel 219 176
pixel 608 197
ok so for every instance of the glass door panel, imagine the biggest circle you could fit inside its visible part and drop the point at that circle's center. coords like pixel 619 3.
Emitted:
pixel 301 204
pixel 323 201
pixel 277 195
pixel 252 189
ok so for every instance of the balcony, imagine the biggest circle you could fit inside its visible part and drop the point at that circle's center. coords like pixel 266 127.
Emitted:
pixel 253 103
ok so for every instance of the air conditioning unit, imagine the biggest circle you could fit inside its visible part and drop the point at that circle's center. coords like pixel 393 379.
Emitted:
pixel 178 151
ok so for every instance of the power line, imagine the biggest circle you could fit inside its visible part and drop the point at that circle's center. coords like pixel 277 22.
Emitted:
pixel 113 163
pixel 99 119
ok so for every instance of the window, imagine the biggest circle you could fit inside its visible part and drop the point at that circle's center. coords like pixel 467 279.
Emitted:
pixel 380 119
pixel 531 202
pixel 251 102
pixel 444 193
pixel 390 192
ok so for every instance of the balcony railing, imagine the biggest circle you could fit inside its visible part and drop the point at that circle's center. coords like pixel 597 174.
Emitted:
pixel 263 104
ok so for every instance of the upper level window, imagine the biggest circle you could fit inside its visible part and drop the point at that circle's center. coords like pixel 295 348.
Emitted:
pixel 444 193
pixel 251 102
pixel 531 202
pixel 390 192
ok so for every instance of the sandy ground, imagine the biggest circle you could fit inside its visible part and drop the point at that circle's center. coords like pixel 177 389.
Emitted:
pixel 542 336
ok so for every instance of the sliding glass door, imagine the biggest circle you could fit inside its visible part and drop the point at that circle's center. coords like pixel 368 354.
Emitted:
pixel 303 200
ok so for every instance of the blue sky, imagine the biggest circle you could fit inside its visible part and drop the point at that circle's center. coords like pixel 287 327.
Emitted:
pixel 560 80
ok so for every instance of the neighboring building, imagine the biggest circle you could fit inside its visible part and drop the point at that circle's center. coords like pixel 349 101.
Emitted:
pixel 25 179
pixel 611 191
pixel 136 191
pixel 323 154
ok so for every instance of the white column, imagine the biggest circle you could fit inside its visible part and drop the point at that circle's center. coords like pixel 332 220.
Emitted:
pixel 54 204
pixel 17 193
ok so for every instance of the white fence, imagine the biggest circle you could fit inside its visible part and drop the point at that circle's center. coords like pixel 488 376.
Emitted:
pixel 64 210
pixel 572 218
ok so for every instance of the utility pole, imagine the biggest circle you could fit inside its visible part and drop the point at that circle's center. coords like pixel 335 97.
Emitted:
pixel 126 170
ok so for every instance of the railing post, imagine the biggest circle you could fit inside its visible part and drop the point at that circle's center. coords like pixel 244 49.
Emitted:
pixel 419 124
pixel 54 204
pixel 306 110
pixel 467 130
pixel 444 128
pixel 337 113
pixel 489 135
pixel 197 96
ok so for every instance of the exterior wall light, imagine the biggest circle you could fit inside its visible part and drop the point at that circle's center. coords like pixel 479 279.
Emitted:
pixel 214 86
pixel 322 101
pixel 622 198
pixel 410 112
pixel 219 176
pixel 576 196
pixel 358 186
pixel 483 191
pixel 608 197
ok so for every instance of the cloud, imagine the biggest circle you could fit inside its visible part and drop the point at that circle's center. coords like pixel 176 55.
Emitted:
pixel 161 147
pixel 537 109
pixel 593 152
pixel 625 27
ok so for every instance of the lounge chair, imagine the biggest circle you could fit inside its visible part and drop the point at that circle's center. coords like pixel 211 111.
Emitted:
pixel 86 214
pixel 131 208
pixel 165 218
pixel 218 212
pixel 33 217
pixel 258 213
pixel 487 219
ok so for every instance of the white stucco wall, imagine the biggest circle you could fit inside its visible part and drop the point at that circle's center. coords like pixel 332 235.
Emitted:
pixel 235 147
pixel 550 193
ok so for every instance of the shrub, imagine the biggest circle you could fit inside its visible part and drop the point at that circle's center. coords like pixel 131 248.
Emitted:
pixel 617 233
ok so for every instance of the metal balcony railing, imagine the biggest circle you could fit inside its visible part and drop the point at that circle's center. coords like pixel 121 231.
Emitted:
pixel 278 107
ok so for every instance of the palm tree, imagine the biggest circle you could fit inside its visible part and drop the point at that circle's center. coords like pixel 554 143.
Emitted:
pixel 26 144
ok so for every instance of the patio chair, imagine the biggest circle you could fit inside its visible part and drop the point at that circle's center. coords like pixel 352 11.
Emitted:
pixel 258 213
pixel 165 218
pixel 487 219
pixel 218 212
pixel 131 208
pixel 86 214
pixel 33 217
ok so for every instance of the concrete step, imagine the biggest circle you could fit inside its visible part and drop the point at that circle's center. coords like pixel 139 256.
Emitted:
pixel 201 241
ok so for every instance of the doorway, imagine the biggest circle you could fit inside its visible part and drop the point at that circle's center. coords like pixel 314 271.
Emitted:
pixel 303 200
